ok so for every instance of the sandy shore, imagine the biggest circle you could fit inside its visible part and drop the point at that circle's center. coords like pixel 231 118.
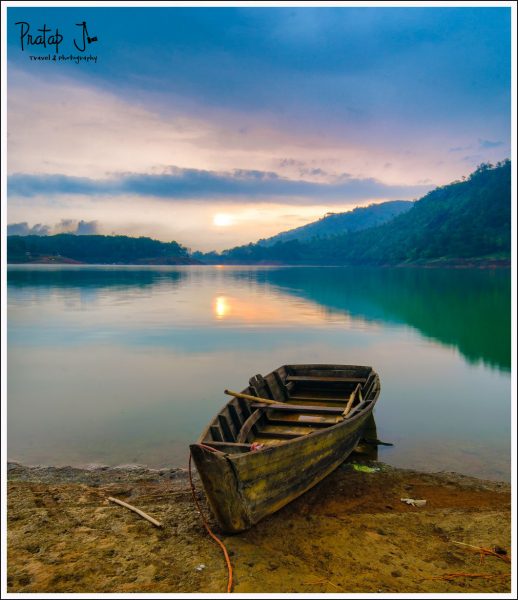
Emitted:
pixel 351 533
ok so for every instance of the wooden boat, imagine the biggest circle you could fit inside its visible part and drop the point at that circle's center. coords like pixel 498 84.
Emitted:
pixel 280 436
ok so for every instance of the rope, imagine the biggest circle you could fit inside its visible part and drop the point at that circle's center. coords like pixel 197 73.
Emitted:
pixel 206 525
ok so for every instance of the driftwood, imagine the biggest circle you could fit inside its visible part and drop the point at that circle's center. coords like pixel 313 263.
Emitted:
pixel 136 510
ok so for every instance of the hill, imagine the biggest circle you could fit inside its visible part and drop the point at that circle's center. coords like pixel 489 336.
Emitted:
pixel 345 222
pixel 94 249
pixel 465 222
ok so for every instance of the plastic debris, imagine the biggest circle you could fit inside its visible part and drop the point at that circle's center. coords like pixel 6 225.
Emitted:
pixel 200 567
pixel 364 468
pixel 414 502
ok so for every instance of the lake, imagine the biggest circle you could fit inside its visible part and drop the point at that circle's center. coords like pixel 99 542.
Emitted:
pixel 118 365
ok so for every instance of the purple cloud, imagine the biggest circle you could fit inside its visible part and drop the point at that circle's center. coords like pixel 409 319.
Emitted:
pixel 240 185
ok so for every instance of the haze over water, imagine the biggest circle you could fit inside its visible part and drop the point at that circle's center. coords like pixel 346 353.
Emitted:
pixel 118 365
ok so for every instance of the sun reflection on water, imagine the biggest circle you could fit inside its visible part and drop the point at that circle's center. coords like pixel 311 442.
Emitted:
pixel 221 307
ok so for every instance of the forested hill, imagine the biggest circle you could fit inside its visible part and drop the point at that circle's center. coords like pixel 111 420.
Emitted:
pixel 94 249
pixel 467 221
pixel 345 222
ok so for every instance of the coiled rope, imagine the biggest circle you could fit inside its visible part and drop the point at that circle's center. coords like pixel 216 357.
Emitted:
pixel 206 525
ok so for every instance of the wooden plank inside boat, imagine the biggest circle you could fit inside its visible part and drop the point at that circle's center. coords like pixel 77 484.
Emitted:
pixel 315 379
pixel 302 408
pixel 309 422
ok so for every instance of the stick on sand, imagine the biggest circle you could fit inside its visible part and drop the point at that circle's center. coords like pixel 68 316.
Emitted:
pixel 136 510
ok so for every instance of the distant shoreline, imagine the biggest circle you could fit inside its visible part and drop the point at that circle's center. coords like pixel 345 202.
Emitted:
pixel 69 261
pixel 437 264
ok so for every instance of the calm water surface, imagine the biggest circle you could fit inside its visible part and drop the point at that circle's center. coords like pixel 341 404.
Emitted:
pixel 119 365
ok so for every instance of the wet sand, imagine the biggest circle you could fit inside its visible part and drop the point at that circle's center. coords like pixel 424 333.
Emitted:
pixel 351 533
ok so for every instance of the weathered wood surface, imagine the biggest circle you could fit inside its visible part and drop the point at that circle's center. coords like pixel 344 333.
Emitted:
pixel 230 446
pixel 245 482
pixel 243 489
pixel 313 379
pixel 248 424
pixel 280 435
pixel 287 423
pixel 351 400
pixel 225 428
pixel 293 398
pixel 250 398
pixel 302 408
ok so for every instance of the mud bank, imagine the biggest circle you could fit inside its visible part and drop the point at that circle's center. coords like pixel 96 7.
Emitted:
pixel 351 533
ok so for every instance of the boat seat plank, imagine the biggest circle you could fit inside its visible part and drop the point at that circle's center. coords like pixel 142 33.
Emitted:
pixel 313 379
pixel 288 422
pixel 301 408
pixel 301 418
pixel 343 399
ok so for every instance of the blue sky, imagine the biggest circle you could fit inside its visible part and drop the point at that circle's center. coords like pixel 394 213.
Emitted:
pixel 217 126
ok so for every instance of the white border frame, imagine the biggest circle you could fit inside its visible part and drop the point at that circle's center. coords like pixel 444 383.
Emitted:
pixel 4 91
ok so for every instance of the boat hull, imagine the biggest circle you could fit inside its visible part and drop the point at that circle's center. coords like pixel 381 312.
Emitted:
pixel 244 488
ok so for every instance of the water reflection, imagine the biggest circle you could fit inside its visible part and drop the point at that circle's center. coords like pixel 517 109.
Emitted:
pixel 128 364
pixel 221 307
pixel 59 276
pixel 469 309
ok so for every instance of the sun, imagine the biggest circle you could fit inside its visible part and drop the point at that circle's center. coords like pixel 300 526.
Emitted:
pixel 222 220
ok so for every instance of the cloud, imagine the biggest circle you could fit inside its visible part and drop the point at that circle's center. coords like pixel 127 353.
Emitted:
pixel 76 227
pixel 105 131
pixel 87 228
pixel 487 144
pixel 309 169
pixel 291 162
pixel 64 226
pixel 24 229
pixel 239 184
pixel 275 57
pixel 313 172
pixel 280 100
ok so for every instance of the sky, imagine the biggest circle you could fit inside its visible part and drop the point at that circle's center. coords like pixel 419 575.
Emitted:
pixel 220 126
